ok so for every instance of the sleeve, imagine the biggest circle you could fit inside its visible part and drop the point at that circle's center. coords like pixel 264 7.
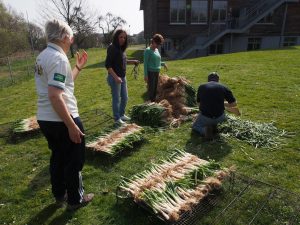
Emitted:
pixel 198 94
pixel 58 74
pixel 109 57
pixel 146 60
pixel 228 95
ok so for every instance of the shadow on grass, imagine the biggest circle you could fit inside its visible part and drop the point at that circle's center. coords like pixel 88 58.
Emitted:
pixel 62 219
pixel 126 212
pixel 106 162
pixel 215 149
pixel 96 65
pixel 145 96
pixel 46 213
pixel 39 182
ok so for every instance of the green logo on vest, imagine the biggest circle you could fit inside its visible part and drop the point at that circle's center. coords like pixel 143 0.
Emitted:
pixel 59 77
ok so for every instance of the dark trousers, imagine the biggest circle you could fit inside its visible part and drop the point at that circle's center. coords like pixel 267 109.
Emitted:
pixel 152 85
pixel 66 160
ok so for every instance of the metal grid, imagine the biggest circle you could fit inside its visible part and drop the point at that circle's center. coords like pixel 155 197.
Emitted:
pixel 242 200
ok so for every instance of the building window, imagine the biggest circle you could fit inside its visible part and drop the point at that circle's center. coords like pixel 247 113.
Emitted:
pixel 177 11
pixel 219 11
pixel 167 45
pixel 216 48
pixel 267 19
pixel 199 11
pixel 254 43
pixel 289 41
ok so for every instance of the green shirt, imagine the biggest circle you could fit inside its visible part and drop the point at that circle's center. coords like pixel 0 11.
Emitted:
pixel 152 61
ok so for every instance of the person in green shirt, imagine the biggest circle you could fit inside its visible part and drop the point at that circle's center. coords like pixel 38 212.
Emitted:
pixel 152 65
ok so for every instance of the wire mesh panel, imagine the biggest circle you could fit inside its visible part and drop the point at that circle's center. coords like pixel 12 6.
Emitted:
pixel 256 202
pixel 243 200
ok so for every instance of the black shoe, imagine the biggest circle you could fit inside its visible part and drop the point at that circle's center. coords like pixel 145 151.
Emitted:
pixel 86 200
pixel 60 202
pixel 208 132
pixel 215 129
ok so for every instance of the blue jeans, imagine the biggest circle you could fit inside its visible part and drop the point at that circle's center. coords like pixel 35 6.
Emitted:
pixel 119 96
pixel 203 121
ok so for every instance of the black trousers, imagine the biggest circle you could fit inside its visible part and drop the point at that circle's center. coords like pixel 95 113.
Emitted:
pixel 66 160
pixel 152 85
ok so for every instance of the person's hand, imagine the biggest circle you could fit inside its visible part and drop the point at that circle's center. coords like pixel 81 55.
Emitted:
pixel 81 59
pixel 75 134
pixel 146 79
pixel 166 67
pixel 118 80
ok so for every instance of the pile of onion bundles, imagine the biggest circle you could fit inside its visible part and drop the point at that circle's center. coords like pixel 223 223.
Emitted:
pixel 174 102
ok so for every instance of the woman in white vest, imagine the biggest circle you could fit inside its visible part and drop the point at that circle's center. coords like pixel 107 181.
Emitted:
pixel 58 115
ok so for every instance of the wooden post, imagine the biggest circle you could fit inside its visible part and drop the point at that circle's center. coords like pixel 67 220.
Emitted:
pixel 28 73
pixel 283 26
pixel 10 70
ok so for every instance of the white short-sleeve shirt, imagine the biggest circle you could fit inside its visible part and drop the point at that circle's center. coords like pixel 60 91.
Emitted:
pixel 52 68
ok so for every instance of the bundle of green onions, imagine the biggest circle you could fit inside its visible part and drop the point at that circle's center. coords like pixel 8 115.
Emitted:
pixel 26 126
pixel 175 185
pixel 150 114
pixel 256 134
pixel 117 140
pixel 190 95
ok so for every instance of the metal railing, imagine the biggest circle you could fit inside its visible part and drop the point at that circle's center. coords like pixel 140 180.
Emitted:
pixel 248 16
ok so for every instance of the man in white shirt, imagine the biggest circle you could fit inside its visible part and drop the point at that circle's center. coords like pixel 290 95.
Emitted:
pixel 58 115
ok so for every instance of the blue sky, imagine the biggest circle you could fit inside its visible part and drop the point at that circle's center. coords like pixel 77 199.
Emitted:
pixel 127 9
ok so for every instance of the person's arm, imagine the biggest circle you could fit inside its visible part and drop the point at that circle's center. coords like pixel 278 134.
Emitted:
pixel 164 65
pixel 146 60
pixel 59 105
pixel 112 73
pixel 109 64
pixel 230 105
pixel 80 62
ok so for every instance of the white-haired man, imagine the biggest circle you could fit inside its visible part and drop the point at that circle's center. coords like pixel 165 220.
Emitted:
pixel 58 115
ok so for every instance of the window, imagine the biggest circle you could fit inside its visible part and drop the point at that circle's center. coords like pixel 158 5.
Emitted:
pixel 219 11
pixel 199 11
pixel 167 45
pixel 177 11
pixel 289 41
pixel 216 48
pixel 254 43
pixel 267 19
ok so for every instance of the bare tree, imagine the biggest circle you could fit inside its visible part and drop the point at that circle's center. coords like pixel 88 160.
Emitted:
pixel 108 24
pixel 74 12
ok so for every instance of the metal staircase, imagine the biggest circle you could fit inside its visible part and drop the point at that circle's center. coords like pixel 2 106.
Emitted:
pixel 248 17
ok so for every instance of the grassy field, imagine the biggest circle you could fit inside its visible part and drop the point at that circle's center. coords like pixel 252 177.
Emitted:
pixel 265 83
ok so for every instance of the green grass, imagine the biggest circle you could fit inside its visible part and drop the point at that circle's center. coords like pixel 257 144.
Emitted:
pixel 265 83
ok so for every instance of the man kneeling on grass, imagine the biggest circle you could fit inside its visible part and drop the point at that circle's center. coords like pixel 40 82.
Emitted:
pixel 58 115
pixel 212 96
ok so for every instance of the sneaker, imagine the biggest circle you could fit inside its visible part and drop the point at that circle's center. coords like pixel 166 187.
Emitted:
pixel 60 202
pixel 125 118
pixel 119 122
pixel 86 200
pixel 208 132
pixel 215 129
